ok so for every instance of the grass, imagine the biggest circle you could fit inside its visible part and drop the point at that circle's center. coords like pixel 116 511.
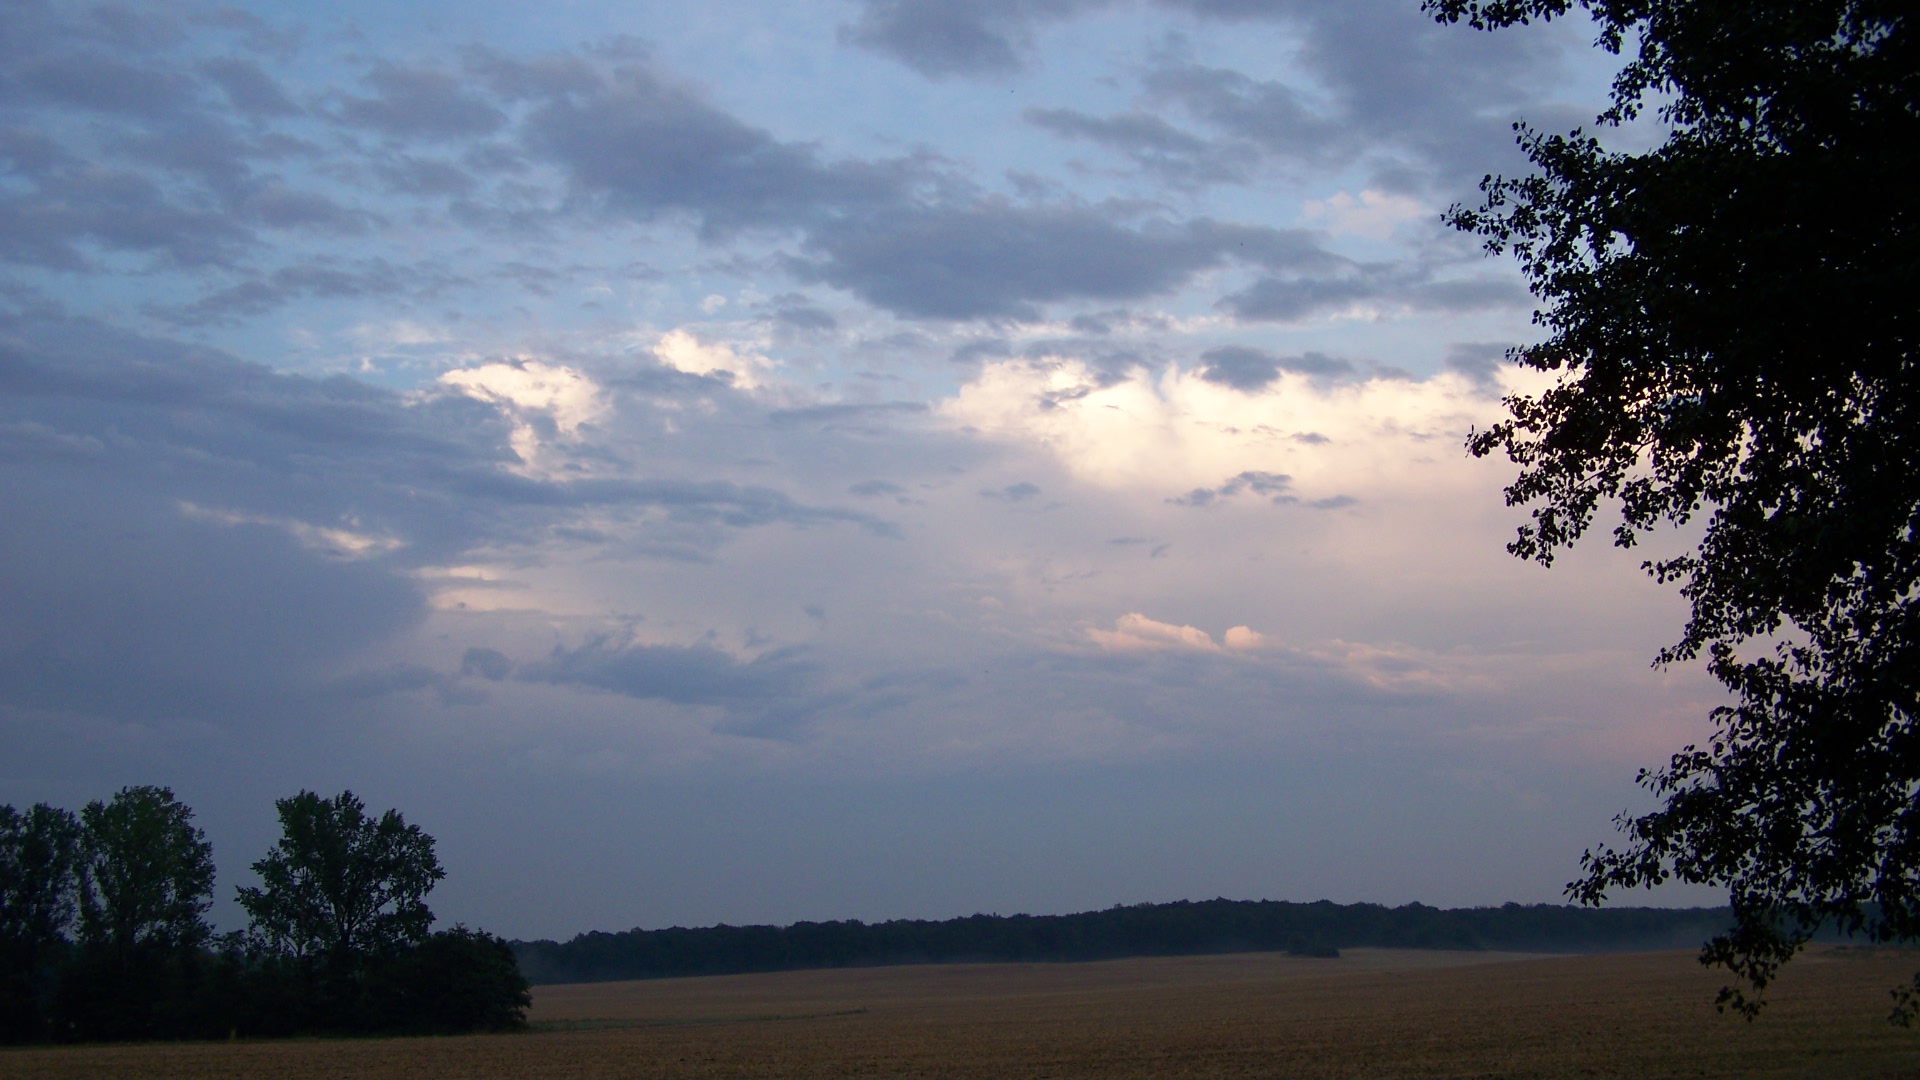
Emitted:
pixel 1368 1013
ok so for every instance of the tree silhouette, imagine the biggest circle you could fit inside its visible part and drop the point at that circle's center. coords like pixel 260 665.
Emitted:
pixel 340 885
pixel 39 853
pixel 1733 326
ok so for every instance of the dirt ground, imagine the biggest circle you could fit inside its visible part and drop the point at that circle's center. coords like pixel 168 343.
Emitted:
pixel 1368 1013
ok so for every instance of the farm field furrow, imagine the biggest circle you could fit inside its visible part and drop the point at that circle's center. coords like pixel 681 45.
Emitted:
pixel 1369 1013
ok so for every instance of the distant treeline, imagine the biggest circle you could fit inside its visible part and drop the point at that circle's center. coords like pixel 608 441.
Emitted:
pixel 1182 928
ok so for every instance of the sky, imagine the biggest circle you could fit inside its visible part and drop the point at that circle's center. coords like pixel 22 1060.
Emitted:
pixel 757 462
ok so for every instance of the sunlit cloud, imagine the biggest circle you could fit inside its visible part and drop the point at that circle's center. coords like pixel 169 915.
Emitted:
pixel 1173 431
pixel 339 541
pixel 681 351
pixel 1373 214
pixel 529 390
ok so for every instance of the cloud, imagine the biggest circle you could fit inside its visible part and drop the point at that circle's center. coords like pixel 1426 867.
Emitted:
pixel 421 103
pixel 1019 492
pixel 634 144
pixel 1371 290
pixel 543 399
pixel 341 541
pixel 319 279
pixel 1384 87
pixel 1135 632
pixel 489 664
pixel 1174 430
pixel 1479 361
pixel 123 606
pixel 1273 486
pixel 248 88
pixel 998 259
pixel 1251 369
pixel 1374 214
pixel 307 538
pixel 1245 639
pixel 97 83
pixel 681 351
pixel 1151 143
pixel 679 674
pixel 65 209
pixel 938 39
pixel 564 394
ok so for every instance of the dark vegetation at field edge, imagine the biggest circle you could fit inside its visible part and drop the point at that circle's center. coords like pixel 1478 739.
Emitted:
pixel 1182 928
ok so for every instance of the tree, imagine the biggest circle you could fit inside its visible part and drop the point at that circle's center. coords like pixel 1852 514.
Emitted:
pixel 1732 320
pixel 341 887
pixel 39 854
pixel 146 873
pixel 145 882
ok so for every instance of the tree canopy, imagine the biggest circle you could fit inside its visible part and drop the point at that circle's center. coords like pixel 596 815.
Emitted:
pixel 1732 318
pixel 146 872
pixel 342 885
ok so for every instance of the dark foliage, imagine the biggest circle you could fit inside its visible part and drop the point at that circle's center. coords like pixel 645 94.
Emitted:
pixel 145 881
pixel 102 935
pixel 1176 929
pixel 1732 319
pixel 455 980
pixel 341 886
pixel 39 854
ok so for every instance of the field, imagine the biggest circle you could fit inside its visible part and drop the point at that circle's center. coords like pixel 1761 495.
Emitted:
pixel 1369 1013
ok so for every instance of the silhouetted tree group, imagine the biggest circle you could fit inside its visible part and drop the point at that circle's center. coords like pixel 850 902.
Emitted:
pixel 103 932
pixel 1181 928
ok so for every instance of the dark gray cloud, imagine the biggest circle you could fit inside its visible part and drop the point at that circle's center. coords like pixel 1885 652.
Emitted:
pixel 490 664
pixel 66 207
pixel 994 37
pixel 101 84
pixel 1420 104
pixel 680 674
pixel 117 604
pixel 1270 115
pixel 1480 361
pixel 996 259
pixel 935 38
pixel 1408 286
pixel 248 88
pixel 638 145
pixel 1250 369
pixel 198 185
pixel 1273 486
pixel 805 318
pixel 1152 144
pixel 405 174
pixel 421 103
pixel 184 532
pixel 171 160
pixel 1019 492
pixel 323 279
pixel 1417 102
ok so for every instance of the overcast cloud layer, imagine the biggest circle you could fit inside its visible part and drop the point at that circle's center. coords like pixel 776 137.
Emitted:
pixel 801 460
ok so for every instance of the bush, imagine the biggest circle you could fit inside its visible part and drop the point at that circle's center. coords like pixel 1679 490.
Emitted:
pixel 456 980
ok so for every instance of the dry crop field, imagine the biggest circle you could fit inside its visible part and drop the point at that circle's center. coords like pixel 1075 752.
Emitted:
pixel 1369 1013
